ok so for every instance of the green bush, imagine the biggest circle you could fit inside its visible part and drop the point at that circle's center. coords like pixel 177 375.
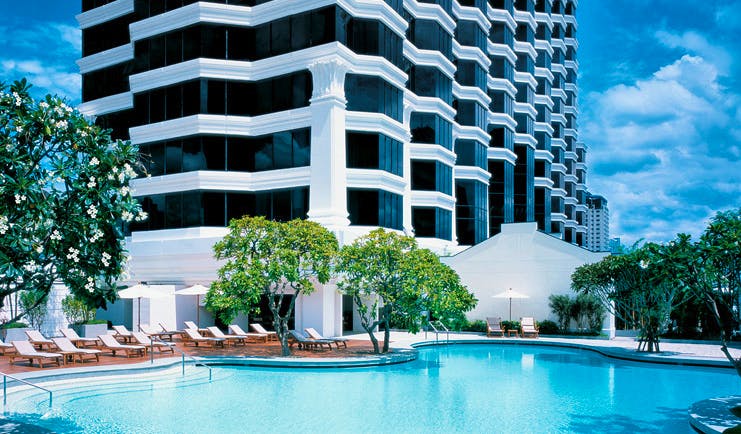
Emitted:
pixel 547 327
pixel 561 306
pixel 476 326
pixel 77 312
pixel 511 325
pixel 15 325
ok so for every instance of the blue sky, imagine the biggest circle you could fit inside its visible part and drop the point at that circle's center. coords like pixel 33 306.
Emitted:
pixel 660 101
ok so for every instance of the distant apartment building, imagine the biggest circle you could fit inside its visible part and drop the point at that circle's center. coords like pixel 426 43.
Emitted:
pixel 598 224
pixel 440 118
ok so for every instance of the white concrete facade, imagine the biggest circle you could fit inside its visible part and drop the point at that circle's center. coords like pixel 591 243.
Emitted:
pixel 181 256
pixel 528 261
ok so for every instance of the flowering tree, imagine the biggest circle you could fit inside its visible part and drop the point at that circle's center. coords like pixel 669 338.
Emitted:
pixel 387 274
pixel 634 287
pixel 710 270
pixel 64 195
pixel 277 260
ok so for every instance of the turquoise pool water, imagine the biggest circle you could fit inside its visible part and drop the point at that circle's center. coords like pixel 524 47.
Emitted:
pixel 462 388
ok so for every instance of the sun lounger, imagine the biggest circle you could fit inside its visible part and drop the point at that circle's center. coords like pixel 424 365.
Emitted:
pixel 234 339
pixel 494 326
pixel 77 340
pixel 195 337
pixel 142 339
pixel 527 327
pixel 251 337
pixel 123 332
pixel 258 328
pixel 4 347
pixel 306 343
pixel 149 331
pixel 67 348
pixel 174 332
pixel 39 340
pixel 110 343
pixel 313 334
pixel 193 326
pixel 25 350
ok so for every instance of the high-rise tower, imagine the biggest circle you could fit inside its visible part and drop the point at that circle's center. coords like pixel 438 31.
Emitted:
pixel 440 118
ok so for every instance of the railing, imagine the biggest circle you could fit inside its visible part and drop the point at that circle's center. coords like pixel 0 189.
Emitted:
pixel 152 339
pixel 437 332
pixel 5 388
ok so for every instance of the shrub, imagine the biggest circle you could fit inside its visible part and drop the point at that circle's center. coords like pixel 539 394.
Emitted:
pixel 561 306
pixel 511 325
pixel 34 306
pixel 476 326
pixel 76 311
pixel 588 312
pixel 547 327
pixel 15 325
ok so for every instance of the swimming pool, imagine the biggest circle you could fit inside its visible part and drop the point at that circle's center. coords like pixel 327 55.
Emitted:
pixel 459 388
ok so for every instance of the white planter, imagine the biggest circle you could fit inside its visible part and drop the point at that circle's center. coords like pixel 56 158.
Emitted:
pixel 10 335
pixel 90 330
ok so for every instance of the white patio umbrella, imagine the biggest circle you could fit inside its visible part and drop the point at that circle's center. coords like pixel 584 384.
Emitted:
pixel 138 292
pixel 510 294
pixel 198 290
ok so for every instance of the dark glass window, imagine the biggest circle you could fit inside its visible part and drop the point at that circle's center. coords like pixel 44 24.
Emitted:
pixel 471 225
pixel 468 33
pixel 107 81
pixel 470 153
pixel 470 113
pixel 432 176
pixel 206 208
pixel 220 97
pixel 374 151
pixel 107 35
pixel 431 128
pixel 280 150
pixel 430 35
pixel 372 37
pixel 366 93
pixel 432 222
pixel 430 81
pixel 374 208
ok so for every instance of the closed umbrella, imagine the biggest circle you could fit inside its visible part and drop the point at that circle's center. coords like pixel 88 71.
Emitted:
pixel 138 292
pixel 510 294
pixel 198 290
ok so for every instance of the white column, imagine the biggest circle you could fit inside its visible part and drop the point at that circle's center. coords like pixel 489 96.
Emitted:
pixel 407 201
pixel 328 192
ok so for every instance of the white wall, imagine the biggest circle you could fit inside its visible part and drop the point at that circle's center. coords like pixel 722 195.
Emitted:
pixel 521 258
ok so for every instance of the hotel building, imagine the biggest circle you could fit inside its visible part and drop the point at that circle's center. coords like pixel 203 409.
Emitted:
pixel 440 118
pixel 598 224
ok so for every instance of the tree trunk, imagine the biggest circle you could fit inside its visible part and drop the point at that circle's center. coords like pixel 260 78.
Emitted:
pixel 386 317
pixel 373 339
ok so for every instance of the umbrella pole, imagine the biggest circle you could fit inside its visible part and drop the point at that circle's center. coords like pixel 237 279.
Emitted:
pixel 510 308
pixel 139 314
pixel 198 310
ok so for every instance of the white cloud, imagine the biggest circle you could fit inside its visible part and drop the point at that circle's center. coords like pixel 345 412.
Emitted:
pixel 697 44
pixel 45 54
pixel 664 150
pixel 48 79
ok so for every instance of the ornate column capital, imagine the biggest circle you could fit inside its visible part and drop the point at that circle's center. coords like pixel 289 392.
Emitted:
pixel 329 78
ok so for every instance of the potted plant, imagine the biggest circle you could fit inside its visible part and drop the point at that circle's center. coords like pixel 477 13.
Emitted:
pixel 81 318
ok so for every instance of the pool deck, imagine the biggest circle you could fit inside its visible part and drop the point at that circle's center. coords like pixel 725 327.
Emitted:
pixel 359 352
